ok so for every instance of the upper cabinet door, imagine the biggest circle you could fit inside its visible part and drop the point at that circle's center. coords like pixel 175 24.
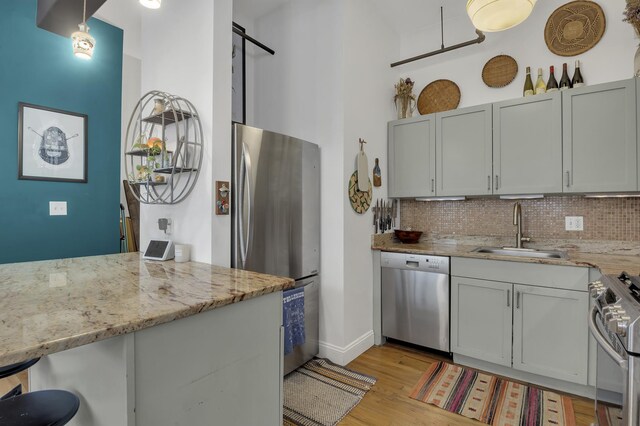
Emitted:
pixel 412 157
pixel 527 145
pixel 463 151
pixel 600 144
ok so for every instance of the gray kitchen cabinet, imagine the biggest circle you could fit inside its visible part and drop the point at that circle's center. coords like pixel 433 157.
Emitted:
pixel 549 333
pixel 481 318
pixel 599 134
pixel 525 316
pixel 527 145
pixel 412 157
pixel 464 143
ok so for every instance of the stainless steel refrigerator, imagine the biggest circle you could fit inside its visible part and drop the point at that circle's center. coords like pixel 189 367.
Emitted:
pixel 275 211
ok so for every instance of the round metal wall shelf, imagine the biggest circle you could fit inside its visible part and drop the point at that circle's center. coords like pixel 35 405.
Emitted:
pixel 164 148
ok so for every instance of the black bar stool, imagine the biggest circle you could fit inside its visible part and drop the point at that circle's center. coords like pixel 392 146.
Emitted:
pixel 40 408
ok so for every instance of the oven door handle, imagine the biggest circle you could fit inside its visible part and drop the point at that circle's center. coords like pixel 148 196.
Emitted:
pixel 603 342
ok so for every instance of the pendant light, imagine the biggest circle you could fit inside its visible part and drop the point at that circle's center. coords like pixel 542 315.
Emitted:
pixel 151 4
pixel 498 15
pixel 81 41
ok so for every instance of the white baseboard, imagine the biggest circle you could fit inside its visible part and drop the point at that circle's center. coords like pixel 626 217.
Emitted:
pixel 344 355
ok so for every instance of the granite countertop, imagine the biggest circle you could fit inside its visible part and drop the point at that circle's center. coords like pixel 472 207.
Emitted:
pixel 609 259
pixel 49 306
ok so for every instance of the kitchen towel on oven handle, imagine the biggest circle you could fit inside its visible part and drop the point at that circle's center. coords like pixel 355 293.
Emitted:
pixel 293 318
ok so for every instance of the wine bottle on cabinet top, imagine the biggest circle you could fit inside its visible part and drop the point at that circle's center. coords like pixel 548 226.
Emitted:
pixel 565 82
pixel 577 80
pixel 552 84
pixel 541 87
pixel 528 84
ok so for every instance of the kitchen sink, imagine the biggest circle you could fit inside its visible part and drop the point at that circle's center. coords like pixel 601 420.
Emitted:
pixel 522 252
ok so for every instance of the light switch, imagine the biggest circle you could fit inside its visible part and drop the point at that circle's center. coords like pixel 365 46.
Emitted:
pixel 57 208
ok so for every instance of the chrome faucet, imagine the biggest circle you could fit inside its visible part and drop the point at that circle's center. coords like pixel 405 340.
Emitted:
pixel 517 220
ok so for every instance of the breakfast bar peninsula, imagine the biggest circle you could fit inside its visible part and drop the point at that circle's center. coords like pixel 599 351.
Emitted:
pixel 148 343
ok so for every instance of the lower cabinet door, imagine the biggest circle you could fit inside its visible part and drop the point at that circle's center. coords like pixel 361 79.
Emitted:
pixel 481 318
pixel 550 334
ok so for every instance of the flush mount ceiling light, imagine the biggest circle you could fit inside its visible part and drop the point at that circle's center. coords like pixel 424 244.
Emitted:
pixel 498 15
pixel 151 4
pixel 81 41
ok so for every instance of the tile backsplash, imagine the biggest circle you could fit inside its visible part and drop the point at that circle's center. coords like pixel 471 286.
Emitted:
pixel 604 218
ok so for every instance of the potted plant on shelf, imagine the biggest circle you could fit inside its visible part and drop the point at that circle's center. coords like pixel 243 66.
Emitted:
pixel 153 147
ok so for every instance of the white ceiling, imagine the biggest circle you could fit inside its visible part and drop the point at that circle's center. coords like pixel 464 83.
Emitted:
pixel 253 9
pixel 404 16
pixel 407 16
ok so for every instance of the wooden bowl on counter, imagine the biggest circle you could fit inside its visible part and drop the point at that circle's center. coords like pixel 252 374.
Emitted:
pixel 408 237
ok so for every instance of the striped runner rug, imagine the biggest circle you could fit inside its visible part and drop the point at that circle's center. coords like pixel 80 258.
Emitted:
pixel 609 416
pixel 491 400
pixel 321 393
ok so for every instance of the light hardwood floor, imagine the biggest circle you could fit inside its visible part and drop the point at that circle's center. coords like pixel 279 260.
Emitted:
pixel 398 369
pixel 10 382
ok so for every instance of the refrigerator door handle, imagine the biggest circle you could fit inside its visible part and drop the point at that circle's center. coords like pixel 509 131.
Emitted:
pixel 245 182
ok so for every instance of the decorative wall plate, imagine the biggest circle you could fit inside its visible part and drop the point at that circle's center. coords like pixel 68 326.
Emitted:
pixel 574 28
pixel 360 200
pixel 499 71
pixel 438 96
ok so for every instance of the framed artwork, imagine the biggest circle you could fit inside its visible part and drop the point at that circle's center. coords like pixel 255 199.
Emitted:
pixel 52 144
pixel 238 75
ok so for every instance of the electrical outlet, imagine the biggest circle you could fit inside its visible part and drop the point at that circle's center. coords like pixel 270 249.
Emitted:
pixel 57 208
pixel 164 224
pixel 574 223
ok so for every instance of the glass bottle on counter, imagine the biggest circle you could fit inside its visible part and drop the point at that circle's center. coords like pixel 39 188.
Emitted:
pixel 552 84
pixel 541 87
pixel 528 84
pixel 565 82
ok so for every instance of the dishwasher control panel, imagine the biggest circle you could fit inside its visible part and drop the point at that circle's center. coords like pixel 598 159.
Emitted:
pixel 417 262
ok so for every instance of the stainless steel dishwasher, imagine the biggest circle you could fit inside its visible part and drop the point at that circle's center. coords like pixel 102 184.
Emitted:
pixel 415 299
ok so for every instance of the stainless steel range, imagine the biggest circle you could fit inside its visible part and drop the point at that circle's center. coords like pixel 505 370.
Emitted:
pixel 615 324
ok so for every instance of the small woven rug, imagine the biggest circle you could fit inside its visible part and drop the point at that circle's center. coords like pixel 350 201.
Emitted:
pixel 321 393
pixel 491 400
pixel 609 416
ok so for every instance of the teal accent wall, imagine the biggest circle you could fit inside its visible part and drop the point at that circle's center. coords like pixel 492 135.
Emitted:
pixel 38 67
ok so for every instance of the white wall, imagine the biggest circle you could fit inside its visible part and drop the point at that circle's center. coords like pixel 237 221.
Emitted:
pixel 178 59
pixel 299 92
pixel 611 59
pixel 188 57
pixel 127 15
pixel 221 136
pixel 369 46
pixel 252 53
pixel 131 92
pixel 329 83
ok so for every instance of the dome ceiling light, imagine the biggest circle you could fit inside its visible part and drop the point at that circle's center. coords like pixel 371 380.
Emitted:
pixel 151 4
pixel 81 40
pixel 498 15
